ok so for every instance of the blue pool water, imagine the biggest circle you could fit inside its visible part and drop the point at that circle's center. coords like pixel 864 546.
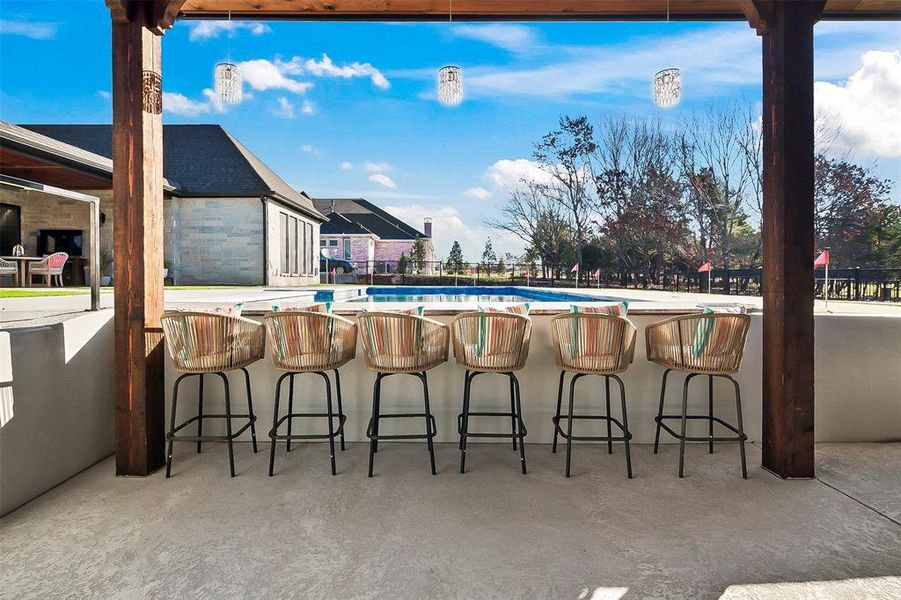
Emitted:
pixel 467 294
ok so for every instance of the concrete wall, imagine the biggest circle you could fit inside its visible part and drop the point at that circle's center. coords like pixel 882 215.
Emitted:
pixel 63 403
pixel 858 387
pixel 309 274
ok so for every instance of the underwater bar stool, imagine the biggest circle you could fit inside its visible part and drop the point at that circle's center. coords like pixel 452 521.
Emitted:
pixel 492 342
pixel 400 343
pixel 592 344
pixel 711 344
pixel 203 343
pixel 305 342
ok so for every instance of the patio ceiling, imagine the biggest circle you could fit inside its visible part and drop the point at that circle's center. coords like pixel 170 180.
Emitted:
pixel 684 10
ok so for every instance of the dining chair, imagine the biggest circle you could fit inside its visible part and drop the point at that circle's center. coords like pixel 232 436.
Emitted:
pixel 51 268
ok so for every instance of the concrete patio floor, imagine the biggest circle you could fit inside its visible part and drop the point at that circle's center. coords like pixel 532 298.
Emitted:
pixel 491 533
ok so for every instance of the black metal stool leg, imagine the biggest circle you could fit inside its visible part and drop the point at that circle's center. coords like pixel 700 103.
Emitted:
pixel 660 410
pixel 710 411
pixel 428 421
pixel 228 425
pixel 290 411
pixel 684 423
pixel 626 433
pixel 513 411
pixel 172 424
pixel 741 428
pixel 200 414
pixel 520 425
pixel 373 423
pixel 609 424
pixel 331 425
pixel 557 414
pixel 464 422
pixel 465 386
pixel 252 417
pixel 340 406
pixel 569 426
pixel 273 432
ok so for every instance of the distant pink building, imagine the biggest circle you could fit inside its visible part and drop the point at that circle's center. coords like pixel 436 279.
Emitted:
pixel 365 234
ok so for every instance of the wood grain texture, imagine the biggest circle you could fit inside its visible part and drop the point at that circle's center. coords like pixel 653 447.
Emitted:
pixel 788 240
pixel 138 250
pixel 513 9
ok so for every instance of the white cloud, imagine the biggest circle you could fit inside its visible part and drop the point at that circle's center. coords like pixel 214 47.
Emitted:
pixel 477 193
pixel 308 108
pixel 515 38
pixel 866 109
pixel 204 30
pixel 35 31
pixel 310 149
pixel 327 68
pixel 104 94
pixel 449 225
pixel 508 174
pixel 372 167
pixel 346 166
pixel 262 74
pixel 382 179
pixel 284 109
pixel 180 104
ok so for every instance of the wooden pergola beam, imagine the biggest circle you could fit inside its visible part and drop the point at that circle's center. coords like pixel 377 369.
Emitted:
pixel 138 230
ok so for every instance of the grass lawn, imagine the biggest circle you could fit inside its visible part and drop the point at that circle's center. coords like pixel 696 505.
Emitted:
pixel 32 293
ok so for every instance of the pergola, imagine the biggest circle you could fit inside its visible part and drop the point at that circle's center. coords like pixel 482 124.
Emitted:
pixel 786 27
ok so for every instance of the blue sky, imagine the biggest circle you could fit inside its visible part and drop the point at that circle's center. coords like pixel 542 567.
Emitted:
pixel 349 109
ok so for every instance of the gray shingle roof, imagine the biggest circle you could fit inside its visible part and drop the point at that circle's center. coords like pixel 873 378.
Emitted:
pixel 198 160
pixel 361 214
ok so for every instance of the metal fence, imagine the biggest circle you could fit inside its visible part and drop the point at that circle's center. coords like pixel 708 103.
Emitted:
pixel 861 284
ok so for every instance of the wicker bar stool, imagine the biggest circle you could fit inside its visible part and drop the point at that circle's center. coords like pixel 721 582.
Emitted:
pixel 304 342
pixel 592 344
pixel 492 342
pixel 398 343
pixel 203 343
pixel 711 344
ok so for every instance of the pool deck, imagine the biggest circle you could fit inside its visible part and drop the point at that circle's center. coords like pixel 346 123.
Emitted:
pixel 32 311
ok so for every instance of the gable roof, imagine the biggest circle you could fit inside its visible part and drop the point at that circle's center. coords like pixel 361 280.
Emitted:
pixel 198 160
pixel 361 216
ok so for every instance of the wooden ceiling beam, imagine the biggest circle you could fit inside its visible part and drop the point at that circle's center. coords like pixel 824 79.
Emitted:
pixel 155 15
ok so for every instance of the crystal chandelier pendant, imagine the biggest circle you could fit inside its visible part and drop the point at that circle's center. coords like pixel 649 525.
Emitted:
pixel 667 87
pixel 450 85
pixel 228 83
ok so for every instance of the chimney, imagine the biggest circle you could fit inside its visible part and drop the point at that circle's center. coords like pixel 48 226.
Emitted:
pixel 427 227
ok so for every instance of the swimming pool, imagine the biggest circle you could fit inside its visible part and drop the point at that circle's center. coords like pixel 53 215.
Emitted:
pixel 467 294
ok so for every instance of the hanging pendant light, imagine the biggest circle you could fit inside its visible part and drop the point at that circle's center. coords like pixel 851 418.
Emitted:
pixel 227 75
pixel 450 77
pixel 667 82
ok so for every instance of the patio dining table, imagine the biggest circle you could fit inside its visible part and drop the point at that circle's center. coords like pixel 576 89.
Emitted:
pixel 22 265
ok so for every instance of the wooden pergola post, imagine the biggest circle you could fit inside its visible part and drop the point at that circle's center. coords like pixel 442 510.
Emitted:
pixel 138 232
pixel 788 233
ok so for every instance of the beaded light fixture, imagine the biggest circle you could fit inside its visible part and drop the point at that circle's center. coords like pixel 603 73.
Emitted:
pixel 450 85
pixel 667 82
pixel 667 87
pixel 227 76
pixel 450 77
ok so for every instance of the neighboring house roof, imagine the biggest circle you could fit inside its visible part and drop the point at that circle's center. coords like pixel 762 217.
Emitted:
pixel 199 161
pixel 361 216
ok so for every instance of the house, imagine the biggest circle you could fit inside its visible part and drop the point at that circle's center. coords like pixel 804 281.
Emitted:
pixel 361 232
pixel 228 218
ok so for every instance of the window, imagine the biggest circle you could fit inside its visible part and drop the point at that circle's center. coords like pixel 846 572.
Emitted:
pixel 311 256
pixel 10 228
pixel 322 243
pixel 333 243
pixel 347 253
pixel 283 227
pixel 302 248
pixel 292 243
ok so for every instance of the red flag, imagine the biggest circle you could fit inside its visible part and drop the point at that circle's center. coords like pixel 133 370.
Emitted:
pixel 575 268
pixel 822 260
pixel 597 273
pixel 705 268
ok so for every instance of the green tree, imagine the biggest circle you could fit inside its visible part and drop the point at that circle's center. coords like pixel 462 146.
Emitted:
pixel 488 255
pixel 417 254
pixel 455 259
pixel 403 264
pixel 501 267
